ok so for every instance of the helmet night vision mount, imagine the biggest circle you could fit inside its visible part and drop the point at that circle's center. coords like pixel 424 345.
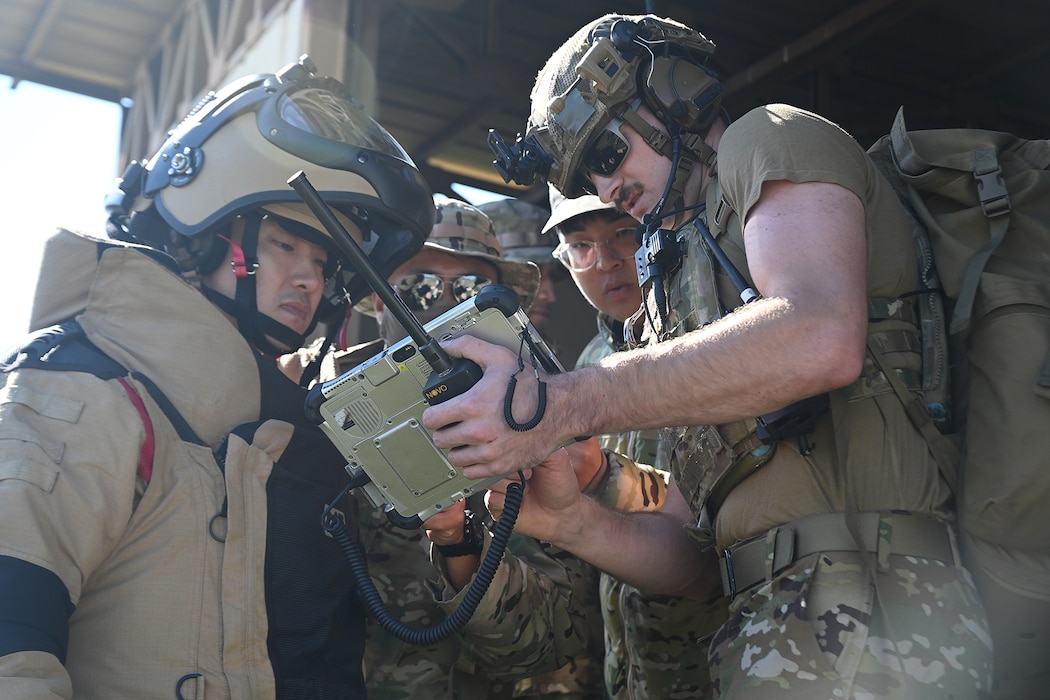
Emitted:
pixel 604 73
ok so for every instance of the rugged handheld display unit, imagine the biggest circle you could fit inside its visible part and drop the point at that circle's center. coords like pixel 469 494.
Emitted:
pixel 373 412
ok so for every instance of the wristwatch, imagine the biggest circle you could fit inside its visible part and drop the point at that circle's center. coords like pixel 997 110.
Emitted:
pixel 473 538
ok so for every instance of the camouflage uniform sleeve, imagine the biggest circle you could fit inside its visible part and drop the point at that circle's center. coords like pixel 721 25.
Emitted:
pixel 581 677
pixel 631 487
pixel 530 619
pixel 655 645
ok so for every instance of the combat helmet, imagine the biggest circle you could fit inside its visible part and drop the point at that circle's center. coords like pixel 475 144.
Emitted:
pixel 595 82
pixel 233 155
pixel 519 227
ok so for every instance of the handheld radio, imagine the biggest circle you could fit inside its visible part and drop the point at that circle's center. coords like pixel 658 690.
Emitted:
pixel 373 413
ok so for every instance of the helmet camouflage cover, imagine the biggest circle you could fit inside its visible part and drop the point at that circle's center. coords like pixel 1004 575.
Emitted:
pixel 461 229
pixel 520 228
pixel 605 71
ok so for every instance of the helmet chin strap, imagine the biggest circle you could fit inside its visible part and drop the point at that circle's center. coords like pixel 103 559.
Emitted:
pixel 675 195
pixel 694 150
pixel 254 325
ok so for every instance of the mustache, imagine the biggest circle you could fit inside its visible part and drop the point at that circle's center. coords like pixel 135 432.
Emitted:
pixel 627 193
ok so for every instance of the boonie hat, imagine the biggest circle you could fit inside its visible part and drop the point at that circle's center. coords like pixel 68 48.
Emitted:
pixel 463 229
pixel 519 227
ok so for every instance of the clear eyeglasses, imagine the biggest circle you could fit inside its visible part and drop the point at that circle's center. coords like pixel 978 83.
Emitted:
pixel 579 256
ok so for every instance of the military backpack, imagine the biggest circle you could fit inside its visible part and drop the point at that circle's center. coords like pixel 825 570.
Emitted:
pixel 982 201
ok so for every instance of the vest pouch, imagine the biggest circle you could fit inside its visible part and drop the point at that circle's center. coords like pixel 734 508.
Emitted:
pixel 698 458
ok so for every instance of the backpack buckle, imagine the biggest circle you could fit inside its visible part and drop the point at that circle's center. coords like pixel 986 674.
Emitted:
pixel 991 189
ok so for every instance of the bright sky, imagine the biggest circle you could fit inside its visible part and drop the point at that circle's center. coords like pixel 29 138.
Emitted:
pixel 58 159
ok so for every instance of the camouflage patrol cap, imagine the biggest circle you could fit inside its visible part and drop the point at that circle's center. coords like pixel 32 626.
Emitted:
pixel 519 227
pixel 463 229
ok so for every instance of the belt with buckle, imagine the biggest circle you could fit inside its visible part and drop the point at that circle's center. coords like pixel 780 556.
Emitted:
pixel 759 559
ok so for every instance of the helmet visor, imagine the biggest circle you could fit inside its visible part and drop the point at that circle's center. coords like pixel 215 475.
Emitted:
pixel 322 126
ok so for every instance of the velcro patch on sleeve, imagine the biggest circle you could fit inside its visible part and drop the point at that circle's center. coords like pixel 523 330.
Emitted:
pixel 60 408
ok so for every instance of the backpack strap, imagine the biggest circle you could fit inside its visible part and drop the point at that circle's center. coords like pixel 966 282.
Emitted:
pixel 992 194
pixel 63 347
pixel 944 451
pixel 995 203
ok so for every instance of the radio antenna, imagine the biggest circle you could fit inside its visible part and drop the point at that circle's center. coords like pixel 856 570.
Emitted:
pixel 429 348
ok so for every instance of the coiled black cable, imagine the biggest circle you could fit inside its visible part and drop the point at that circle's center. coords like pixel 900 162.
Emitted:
pixel 333 523
pixel 541 394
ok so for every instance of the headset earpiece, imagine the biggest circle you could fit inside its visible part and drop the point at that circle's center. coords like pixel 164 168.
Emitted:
pixel 681 91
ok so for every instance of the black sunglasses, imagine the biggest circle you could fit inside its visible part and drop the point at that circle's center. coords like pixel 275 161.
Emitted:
pixel 607 152
pixel 422 290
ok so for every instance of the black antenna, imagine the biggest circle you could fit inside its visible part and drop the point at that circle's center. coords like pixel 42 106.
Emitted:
pixel 429 348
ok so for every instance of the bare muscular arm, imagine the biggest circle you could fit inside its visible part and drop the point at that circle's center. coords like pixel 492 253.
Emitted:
pixel 806 252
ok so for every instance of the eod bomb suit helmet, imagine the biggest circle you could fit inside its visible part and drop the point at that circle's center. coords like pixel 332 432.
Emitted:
pixel 233 156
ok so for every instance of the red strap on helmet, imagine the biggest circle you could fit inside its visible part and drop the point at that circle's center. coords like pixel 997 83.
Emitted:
pixel 239 264
pixel 342 338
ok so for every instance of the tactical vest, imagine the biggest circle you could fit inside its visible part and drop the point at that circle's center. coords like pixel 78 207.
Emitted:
pixel 709 461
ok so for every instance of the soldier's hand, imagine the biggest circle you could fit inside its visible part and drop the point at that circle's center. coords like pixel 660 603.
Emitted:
pixel 446 527
pixel 472 425
pixel 551 501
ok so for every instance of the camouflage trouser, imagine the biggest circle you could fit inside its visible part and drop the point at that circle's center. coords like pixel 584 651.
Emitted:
pixel 820 629
pixel 580 679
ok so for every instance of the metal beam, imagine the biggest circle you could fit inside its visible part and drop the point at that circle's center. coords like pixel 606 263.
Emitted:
pixel 20 71
pixel 41 27
pixel 460 123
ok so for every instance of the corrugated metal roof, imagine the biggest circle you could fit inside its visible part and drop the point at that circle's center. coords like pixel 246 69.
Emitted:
pixel 86 46
pixel 448 70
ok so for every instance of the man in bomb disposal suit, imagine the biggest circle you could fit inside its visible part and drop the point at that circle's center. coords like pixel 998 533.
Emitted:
pixel 773 254
pixel 161 489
